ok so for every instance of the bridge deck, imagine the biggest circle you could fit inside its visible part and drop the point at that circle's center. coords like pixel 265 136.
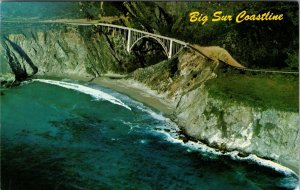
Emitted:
pixel 132 29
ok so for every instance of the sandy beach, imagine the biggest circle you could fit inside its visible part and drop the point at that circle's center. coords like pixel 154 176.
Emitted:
pixel 138 92
pixel 131 88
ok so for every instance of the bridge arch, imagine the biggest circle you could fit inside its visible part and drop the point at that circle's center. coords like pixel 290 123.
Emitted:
pixel 171 46
pixel 165 48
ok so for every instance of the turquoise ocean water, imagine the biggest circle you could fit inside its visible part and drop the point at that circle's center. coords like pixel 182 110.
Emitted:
pixel 68 136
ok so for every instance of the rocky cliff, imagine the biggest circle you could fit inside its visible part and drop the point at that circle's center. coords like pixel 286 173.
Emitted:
pixel 225 124
pixel 228 125
pixel 221 123
pixel 80 51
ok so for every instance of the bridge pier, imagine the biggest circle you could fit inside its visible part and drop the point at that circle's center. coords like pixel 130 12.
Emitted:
pixel 128 40
pixel 170 49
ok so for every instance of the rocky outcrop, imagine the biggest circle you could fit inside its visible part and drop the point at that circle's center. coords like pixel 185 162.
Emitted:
pixel 64 51
pixel 179 75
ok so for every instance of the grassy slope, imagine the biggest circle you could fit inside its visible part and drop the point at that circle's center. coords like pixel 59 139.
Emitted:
pixel 264 90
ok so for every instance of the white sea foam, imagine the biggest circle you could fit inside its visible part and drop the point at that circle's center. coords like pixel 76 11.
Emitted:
pixel 267 163
pixel 234 155
pixel 152 113
pixel 26 82
pixel 86 90
pixel 173 137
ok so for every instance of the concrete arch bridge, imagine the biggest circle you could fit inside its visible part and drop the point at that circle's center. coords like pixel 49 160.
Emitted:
pixel 170 46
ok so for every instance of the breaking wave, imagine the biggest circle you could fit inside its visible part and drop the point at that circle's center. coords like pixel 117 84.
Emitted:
pixel 86 90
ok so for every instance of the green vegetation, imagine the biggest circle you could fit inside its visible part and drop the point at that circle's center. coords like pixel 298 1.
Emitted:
pixel 95 10
pixel 262 90
pixel 254 44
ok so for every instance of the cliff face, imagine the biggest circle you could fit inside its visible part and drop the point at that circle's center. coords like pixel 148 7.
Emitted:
pixel 228 125
pixel 64 51
pixel 224 124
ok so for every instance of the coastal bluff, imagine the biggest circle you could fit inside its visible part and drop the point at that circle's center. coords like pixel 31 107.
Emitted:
pixel 225 124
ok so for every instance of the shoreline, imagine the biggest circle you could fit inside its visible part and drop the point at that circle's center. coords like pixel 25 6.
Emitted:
pixel 150 98
pixel 129 87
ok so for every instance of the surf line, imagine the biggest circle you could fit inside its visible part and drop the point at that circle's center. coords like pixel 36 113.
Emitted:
pixel 86 90
pixel 251 158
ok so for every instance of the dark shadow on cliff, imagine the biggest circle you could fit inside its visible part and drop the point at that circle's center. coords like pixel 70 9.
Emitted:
pixel 148 52
pixel 23 54
pixel 19 72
